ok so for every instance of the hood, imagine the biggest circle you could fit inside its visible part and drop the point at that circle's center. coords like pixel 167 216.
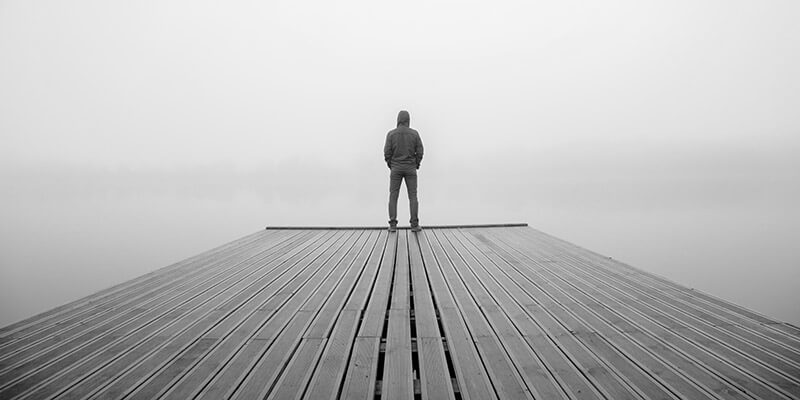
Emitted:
pixel 403 118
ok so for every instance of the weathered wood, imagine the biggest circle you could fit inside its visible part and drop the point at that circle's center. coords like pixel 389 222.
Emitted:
pixel 537 337
pixel 434 376
pixel 506 379
pixel 775 383
pixel 398 381
pixel 362 372
pixel 375 313
pixel 513 300
pixel 44 342
pixel 471 312
pixel 400 283
pixel 293 380
pixel 329 374
pixel 46 318
pixel 289 316
pixel 470 374
pixel 383 228
pixel 358 298
pixel 203 300
pixel 177 342
pixel 696 383
pixel 534 372
pixel 260 379
pixel 737 330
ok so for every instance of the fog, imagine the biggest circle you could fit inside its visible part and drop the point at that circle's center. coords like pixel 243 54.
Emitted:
pixel 138 134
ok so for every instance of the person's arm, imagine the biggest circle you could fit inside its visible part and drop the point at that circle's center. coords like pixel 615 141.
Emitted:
pixel 419 150
pixel 387 152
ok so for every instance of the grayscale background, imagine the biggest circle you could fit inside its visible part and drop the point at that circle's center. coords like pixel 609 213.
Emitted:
pixel 137 133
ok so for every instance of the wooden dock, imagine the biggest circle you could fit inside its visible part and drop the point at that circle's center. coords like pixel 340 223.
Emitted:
pixel 477 312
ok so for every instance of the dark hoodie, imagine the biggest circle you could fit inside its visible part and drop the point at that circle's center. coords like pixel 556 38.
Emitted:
pixel 403 146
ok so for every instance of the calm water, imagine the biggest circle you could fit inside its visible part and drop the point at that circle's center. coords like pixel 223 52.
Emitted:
pixel 62 239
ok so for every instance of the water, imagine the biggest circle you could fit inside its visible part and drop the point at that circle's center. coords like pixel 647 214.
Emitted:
pixel 68 234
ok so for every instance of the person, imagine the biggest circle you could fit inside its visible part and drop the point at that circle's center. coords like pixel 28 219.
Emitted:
pixel 403 155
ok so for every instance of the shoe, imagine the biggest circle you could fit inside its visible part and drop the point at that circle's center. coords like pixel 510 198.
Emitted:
pixel 416 228
pixel 392 228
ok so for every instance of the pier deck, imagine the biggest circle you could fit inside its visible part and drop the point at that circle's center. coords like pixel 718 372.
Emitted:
pixel 469 312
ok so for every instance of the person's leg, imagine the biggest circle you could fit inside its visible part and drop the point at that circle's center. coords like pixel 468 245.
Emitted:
pixel 413 203
pixel 395 178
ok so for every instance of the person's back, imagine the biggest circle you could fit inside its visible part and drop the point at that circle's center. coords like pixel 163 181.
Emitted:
pixel 403 154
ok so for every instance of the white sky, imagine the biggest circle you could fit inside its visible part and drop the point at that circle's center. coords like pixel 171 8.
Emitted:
pixel 151 84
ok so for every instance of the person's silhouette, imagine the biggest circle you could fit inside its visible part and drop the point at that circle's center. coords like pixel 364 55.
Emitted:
pixel 403 154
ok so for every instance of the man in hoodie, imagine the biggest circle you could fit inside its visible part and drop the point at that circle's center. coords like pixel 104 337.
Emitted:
pixel 403 154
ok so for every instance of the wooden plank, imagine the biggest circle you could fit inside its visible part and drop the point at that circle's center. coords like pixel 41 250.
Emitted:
pixel 176 343
pixel 326 316
pixel 241 363
pixel 468 307
pixel 513 299
pixel 424 310
pixel 383 228
pixel 506 379
pixel 173 370
pixel 90 374
pixel 739 332
pixel 741 318
pixel 666 316
pixel 43 340
pixel 23 385
pixel 440 293
pixel 375 314
pixel 334 361
pixel 323 323
pixel 54 371
pixel 473 313
pixel 46 318
pixel 363 363
pixel 471 375
pixel 634 374
pixel 363 369
pixel 547 314
pixel 670 377
pixel 358 298
pixel 539 381
pixel 541 237
pixel 434 376
pixel 398 382
pixel 293 380
pixel 680 375
pixel 99 304
pixel 534 290
pixel 308 262
pixel 196 378
pixel 352 266
pixel 329 375
pixel 65 341
pixel 260 379
pixel 400 283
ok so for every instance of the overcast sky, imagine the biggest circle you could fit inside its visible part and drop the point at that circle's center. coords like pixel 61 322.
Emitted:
pixel 252 83
pixel 613 105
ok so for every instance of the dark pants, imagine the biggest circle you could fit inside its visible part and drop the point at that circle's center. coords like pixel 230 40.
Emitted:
pixel 398 174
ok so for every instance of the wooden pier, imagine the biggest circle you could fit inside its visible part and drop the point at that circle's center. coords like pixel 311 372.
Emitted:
pixel 455 312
